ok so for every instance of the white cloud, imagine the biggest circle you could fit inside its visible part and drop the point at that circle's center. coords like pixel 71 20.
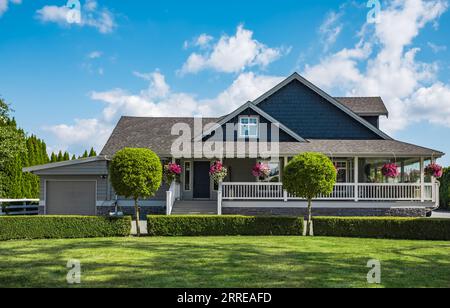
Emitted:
pixel 95 55
pixel 330 29
pixel 4 5
pixel 232 54
pixel 384 63
pixel 158 100
pixel 91 16
pixel 84 131
pixel 202 41
pixel 436 48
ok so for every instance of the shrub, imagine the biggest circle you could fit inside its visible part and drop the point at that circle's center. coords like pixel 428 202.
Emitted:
pixel 136 173
pixel 383 227
pixel 445 189
pixel 59 227
pixel 307 176
pixel 223 225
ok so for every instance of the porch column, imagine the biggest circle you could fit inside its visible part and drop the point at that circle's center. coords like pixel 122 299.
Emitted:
pixel 356 178
pixel 422 180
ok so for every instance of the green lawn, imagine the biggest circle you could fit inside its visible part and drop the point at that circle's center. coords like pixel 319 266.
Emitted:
pixel 224 262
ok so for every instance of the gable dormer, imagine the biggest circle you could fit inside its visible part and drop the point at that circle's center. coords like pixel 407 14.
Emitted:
pixel 313 114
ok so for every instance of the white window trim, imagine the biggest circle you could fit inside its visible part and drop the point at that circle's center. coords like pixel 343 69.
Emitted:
pixel 241 135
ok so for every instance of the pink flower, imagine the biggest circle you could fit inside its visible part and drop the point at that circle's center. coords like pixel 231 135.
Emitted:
pixel 434 170
pixel 261 170
pixel 390 170
pixel 174 168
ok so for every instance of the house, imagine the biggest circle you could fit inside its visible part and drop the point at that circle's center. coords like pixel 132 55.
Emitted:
pixel 293 117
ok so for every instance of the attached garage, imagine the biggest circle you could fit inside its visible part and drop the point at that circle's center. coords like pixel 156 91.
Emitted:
pixel 71 197
pixel 75 187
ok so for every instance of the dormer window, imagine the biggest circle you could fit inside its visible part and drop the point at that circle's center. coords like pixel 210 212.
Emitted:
pixel 248 127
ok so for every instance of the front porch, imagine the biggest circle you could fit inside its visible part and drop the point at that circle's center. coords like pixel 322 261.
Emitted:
pixel 360 187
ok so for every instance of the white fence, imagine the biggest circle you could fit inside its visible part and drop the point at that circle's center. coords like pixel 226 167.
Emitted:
pixel 19 207
pixel 341 191
pixel 172 195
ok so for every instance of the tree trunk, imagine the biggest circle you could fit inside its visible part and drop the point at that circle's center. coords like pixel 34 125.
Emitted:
pixel 137 211
pixel 309 222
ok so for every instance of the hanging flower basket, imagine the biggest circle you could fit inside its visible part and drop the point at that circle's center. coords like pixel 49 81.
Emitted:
pixel 218 172
pixel 172 173
pixel 261 171
pixel 390 170
pixel 434 170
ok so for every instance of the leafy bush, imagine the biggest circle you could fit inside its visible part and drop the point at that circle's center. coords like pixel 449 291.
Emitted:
pixel 58 227
pixel 445 189
pixel 223 225
pixel 383 227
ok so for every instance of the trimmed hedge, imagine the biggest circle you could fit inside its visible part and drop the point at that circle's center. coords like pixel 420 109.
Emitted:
pixel 59 227
pixel 383 227
pixel 445 189
pixel 223 225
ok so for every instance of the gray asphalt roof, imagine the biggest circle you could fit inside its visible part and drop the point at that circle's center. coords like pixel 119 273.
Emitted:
pixel 364 106
pixel 155 134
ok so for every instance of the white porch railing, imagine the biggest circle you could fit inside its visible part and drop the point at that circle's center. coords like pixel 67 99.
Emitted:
pixel 171 196
pixel 341 191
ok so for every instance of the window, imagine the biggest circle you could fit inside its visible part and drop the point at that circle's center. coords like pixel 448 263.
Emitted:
pixel 248 127
pixel 187 176
pixel 342 171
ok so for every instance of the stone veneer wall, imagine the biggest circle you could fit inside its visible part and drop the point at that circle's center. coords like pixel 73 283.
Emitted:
pixel 129 211
pixel 397 212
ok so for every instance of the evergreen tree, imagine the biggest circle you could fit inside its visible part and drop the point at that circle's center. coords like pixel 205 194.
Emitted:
pixel 85 154
pixel 54 158
pixel 92 153
pixel 17 150
pixel 66 156
pixel 60 156
pixel 74 157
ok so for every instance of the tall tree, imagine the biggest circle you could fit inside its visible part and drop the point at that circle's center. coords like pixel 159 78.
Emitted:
pixel 92 153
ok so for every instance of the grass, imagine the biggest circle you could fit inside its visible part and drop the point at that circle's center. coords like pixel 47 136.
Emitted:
pixel 225 262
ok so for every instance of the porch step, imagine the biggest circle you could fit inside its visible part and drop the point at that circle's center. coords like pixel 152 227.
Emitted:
pixel 195 208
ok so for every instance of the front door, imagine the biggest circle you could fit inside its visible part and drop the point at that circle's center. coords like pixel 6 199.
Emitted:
pixel 201 180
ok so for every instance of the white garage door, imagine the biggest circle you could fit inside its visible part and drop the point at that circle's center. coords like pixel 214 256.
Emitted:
pixel 70 197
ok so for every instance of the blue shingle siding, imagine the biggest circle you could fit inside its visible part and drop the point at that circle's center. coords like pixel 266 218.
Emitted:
pixel 311 116
pixel 283 136
pixel 374 120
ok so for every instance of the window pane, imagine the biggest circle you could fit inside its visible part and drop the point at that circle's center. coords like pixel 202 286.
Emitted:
pixel 244 120
pixel 253 130
pixel 253 121
pixel 187 176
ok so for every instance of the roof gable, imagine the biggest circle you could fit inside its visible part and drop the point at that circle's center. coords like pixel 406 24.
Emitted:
pixel 249 105
pixel 295 96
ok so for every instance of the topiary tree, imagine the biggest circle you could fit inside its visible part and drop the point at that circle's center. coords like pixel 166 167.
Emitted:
pixel 307 176
pixel 136 173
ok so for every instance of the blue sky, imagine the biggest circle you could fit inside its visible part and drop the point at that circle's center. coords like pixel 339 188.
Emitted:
pixel 69 83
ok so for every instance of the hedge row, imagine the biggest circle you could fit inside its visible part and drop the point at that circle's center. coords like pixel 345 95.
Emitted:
pixel 445 189
pixel 58 227
pixel 223 225
pixel 383 227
